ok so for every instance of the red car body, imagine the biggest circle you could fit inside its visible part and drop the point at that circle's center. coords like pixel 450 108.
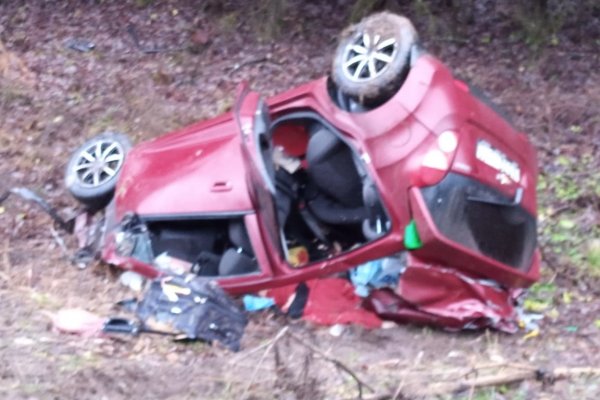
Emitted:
pixel 213 168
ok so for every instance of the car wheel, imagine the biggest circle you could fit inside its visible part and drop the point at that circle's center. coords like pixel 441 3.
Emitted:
pixel 93 169
pixel 373 56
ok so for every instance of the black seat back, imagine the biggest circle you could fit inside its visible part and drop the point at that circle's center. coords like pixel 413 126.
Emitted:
pixel 332 169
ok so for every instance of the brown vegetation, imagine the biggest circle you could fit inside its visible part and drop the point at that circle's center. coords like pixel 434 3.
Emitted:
pixel 51 98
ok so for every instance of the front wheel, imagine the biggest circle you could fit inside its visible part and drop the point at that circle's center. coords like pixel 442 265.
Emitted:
pixel 93 169
pixel 373 56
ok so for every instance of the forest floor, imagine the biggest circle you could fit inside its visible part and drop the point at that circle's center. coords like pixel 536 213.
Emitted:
pixel 52 98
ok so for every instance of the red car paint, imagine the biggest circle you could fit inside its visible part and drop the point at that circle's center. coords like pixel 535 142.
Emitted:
pixel 212 168
pixel 436 295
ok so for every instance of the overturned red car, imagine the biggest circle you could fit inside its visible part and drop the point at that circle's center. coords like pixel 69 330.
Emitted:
pixel 389 155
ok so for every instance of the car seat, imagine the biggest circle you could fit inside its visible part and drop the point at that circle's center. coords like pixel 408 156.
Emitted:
pixel 336 195
pixel 240 259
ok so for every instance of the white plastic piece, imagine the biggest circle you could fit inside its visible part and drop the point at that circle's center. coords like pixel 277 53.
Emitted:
pixel 337 330
pixel 132 280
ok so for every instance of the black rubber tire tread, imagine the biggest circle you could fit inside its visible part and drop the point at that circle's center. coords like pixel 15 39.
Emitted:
pixel 384 86
pixel 96 198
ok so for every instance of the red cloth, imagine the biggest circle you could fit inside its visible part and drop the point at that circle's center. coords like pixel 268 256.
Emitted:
pixel 330 301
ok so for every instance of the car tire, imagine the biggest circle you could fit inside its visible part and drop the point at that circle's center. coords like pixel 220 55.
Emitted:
pixel 93 169
pixel 373 57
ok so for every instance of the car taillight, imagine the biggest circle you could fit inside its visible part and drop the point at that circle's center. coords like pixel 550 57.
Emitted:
pixel 438 158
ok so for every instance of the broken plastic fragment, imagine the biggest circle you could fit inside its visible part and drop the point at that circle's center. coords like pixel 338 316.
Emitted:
pixel 412 241
pixel 383 272
pixel 173 305
pixel 572 329
pixel 532 334
pixel 76 321
pixel 528 321
pixel 298 256
pixel 257 303
pixel 337 330
pixel 132 280
pixel 81 45
pixel 171 264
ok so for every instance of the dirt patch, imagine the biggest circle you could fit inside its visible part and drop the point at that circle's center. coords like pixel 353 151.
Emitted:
pixel 52 98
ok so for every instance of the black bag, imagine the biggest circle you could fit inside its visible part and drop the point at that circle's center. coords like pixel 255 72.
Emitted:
pixel 192 307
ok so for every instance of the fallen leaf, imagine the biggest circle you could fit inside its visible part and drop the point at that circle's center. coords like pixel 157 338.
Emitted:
pixel 553 314
pixel 535 305
pixel 532 334
pixel 566 224
pixel 575 128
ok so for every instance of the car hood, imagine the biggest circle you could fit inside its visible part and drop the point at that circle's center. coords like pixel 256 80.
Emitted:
pixel 198 170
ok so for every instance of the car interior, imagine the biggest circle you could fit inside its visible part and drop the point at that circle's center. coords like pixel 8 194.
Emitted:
pixel 207 247
pixel 325 204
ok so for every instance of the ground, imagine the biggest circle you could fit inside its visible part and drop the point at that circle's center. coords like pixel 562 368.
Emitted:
pixel 53 97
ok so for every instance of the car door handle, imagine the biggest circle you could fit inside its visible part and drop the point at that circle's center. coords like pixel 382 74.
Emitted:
pixel 222 186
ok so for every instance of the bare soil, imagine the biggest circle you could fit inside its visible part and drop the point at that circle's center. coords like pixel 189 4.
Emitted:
pixel 52 98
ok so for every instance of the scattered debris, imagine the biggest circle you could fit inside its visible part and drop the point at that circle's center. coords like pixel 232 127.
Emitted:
pixel 534 333
pixel 23 341
pixel 337 330
pixel 76 321
pixel 454 380
pixel 187 307
pixel 256 303
pixel 272 344
pixel 132 280
pixel 435 295
pixel 30 195
pixel 81 45
pixel 383 272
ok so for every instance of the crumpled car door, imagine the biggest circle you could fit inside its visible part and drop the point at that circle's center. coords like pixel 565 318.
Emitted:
pixel 252 115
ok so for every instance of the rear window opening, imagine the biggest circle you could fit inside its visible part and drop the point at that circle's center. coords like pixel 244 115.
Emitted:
pixel 495 228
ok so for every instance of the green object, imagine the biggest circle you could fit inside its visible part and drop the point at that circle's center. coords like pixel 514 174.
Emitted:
pixel 412 241
pixel 571 329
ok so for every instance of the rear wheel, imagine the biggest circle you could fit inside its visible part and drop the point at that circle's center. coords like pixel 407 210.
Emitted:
pixel 373 56
pixel 92 171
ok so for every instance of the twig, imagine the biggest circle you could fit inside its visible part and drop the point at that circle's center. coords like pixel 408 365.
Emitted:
pixel 132 32
pixel 360 383
pixel 570 372
pixel 398 395
pixel 259 60
pixel 6 260
pixel 30 195
pixel 449 39
pixel 559 210
pixel 484 381
pixel 517 373
pixel 579 53
pixel 247 353
pixel 272 343
pixel 60 242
